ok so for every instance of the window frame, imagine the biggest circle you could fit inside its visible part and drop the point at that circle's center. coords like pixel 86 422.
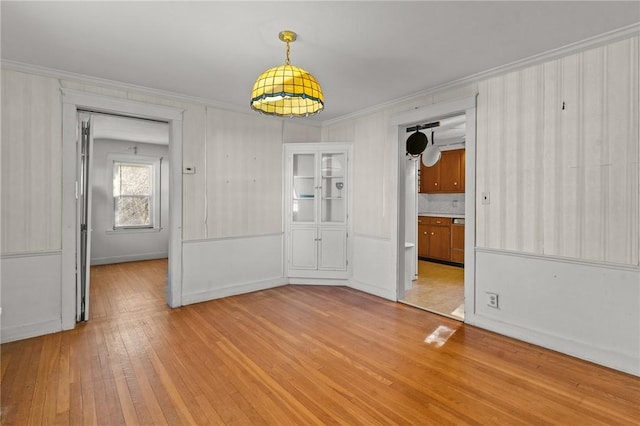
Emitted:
pixel 155 201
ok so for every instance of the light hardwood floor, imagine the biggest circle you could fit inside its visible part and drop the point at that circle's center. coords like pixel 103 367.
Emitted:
pixel 439 288
pixel 293 355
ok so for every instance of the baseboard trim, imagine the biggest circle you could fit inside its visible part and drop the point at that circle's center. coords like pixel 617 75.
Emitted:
pixel 329 282
pixel 128 258
pixel 233 290
pixel 376 291
pixel 625 362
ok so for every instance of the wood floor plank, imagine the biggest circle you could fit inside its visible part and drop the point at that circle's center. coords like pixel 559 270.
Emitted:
pixel 293 355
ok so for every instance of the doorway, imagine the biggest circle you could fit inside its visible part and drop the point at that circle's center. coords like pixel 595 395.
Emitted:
pixel 441 271
pixel 75 101
pixel 438 283
pixel 123 199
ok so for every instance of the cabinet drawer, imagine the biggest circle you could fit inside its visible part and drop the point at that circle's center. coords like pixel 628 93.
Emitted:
pixel 428 220
pixel 444 221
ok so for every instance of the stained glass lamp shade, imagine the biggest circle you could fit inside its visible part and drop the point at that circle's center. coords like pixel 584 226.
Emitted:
pixel 287 90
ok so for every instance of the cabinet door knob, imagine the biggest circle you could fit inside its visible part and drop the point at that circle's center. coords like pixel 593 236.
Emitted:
pixel 455 183
pixel 433 233
pixel 425 232
pixel 436 183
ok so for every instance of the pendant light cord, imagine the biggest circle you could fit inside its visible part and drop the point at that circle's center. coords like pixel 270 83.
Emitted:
pixel 287 61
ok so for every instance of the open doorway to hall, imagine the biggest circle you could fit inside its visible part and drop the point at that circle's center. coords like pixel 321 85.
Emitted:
pixel 125 209
pixel 436 210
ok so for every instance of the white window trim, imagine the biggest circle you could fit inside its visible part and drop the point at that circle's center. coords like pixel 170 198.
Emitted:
pixel 156 204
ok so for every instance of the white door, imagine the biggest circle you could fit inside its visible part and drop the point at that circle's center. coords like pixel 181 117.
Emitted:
pixel 333 248
pixel 83 185
pixel 304 245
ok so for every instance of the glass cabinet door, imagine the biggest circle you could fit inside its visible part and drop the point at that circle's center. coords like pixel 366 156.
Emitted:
pixel 304 188
pixel 333 203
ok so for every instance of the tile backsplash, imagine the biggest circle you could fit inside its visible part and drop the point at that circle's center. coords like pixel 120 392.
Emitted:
pixel 441 203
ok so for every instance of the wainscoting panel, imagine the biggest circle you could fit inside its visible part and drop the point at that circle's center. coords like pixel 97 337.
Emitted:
pixel 30 295
pixel 374 266
pixel 588 310
pixel 227 266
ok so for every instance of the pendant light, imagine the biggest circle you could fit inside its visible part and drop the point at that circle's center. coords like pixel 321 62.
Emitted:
pixel 287 90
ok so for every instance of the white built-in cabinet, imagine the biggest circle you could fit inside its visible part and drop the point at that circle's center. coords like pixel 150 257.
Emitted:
pixel 317 210
pixel 558 157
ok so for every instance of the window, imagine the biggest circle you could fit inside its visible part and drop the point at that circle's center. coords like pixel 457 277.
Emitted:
pixel 136 194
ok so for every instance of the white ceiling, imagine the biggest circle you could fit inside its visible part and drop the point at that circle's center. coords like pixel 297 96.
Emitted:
pixel 363 53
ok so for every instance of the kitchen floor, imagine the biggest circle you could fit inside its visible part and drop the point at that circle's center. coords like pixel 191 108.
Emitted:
pixel 439 288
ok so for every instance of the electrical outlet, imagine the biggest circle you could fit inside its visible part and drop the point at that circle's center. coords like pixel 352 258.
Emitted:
pixel 486 199
pixel 492 300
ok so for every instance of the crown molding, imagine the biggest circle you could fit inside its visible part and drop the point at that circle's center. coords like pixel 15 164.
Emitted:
pixel 599 40
pixel 115 85
pixel 591 42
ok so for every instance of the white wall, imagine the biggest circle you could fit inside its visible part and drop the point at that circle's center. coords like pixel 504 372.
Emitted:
pixel 108 246
pixel 30 295
pixel 558 152
pixel 241 265
pixel 584 309
pixel 32 224
pixel 31 163
pixel 246 207
pixel 563 210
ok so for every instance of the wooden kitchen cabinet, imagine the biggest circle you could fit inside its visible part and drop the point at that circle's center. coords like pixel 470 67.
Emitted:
pixel 457 243
pixel 429 178
pixel 423 237
pixel 440 238
pixel 434 238
pixel 452 171
pixel 446 176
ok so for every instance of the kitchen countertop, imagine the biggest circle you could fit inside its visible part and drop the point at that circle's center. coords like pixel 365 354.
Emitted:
pixel 451 215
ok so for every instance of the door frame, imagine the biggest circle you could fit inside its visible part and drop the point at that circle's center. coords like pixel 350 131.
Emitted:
pixel 72 102
pixel 83 213
pixel 399 124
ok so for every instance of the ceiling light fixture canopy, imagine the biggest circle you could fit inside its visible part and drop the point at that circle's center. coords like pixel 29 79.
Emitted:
pixel 287 90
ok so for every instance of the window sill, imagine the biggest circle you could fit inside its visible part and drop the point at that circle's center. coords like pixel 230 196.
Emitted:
pixel 132 231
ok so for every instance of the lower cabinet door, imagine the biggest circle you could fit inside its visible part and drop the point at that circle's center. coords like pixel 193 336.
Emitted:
pixel 439 242
pixel 423 240
pixel 304 245
pixel 333 249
